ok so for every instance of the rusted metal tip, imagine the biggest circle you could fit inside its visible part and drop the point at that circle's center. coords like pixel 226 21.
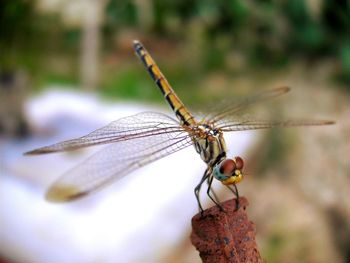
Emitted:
pixel 225 236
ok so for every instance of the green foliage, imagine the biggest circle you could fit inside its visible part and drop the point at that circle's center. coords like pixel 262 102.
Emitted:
pixel 28 40
pixel 16 18
pixel 267 32
pixel 306 34
pixel 263 32
pixel 15 23
pixel 120 14
pixel 133 82
pixel 275 244
pixel 344 57
pixel 129 83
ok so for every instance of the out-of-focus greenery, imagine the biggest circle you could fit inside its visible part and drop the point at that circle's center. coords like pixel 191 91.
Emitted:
pixel 267 32
pixel 264 33
pixel 37 42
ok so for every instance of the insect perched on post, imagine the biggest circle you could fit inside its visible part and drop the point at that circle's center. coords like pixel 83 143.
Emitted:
pixel 140 139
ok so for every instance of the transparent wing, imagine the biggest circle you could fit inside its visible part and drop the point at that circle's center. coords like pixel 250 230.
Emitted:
pixel 113 162
pixel 141 125
pixel 234 105
pixel 250 124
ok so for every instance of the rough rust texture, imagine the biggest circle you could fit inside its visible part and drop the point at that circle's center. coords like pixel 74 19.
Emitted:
pixel 228 236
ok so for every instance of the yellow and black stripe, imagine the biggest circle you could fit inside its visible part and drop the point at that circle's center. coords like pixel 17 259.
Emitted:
pixel 174 101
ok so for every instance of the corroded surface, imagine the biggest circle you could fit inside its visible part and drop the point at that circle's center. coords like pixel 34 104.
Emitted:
pixel 225 236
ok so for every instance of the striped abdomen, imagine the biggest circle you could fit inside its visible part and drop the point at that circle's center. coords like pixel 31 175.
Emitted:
pixel 183 115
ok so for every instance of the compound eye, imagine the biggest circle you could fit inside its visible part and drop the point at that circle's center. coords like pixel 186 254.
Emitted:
pixel 227 167
pixel 239 163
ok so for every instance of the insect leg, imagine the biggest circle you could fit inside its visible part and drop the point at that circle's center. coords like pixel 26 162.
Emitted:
pixel 210 181
pixel 213 192
pixel 198 188
pixel 235 192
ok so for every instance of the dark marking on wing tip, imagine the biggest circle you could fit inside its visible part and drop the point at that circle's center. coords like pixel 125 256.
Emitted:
pixel 61 194
pixel 329 122
pixel 284 89
pixel 30 153
pixel 37 151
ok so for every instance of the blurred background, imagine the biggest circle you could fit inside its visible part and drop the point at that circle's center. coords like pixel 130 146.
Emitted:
pixel 67 68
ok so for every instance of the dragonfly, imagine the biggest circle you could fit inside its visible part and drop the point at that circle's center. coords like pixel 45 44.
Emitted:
pixel 140 139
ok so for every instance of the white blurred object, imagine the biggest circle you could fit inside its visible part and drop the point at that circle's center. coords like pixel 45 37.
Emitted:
pixel 137 219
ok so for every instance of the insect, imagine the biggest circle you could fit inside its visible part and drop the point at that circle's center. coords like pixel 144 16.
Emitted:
pixel 143 138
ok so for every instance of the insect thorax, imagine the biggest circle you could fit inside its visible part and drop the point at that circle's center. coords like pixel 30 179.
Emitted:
pixel 209 143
